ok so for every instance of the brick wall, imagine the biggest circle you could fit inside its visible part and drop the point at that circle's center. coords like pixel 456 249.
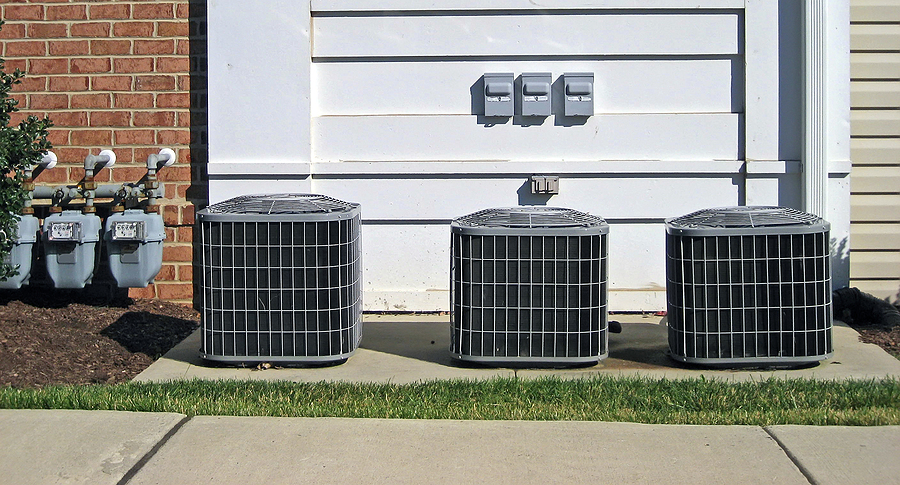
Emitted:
pixel 120 75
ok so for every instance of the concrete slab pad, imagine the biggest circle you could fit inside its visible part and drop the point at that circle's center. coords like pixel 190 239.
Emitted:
pixel 840 454
pixel 238 450
pixel 59 446
pixel 411 348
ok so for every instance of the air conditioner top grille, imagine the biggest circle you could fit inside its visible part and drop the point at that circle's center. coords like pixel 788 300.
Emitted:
pixel 553 219
pixel 753 219
pixel 310 206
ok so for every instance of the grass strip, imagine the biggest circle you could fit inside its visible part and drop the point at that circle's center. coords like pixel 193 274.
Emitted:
pixel 631 399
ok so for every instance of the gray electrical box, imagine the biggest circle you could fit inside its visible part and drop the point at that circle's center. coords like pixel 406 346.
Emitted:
pixel 536 93
pixel 579 93
pixel 70 244
pixel 22 252
pixel 498 94
pixel 134 241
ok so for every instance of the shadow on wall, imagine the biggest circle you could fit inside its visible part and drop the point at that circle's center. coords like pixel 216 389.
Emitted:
pixel 198 193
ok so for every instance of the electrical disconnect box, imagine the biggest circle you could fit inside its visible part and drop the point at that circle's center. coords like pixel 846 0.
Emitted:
pixel 134 240
pixel 22 253
pixel 498 94
pixel 536 93
pixel 579 93
pixel 70 244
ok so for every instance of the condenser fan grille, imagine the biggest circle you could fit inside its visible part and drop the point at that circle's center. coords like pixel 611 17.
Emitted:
pixel 763 297
pixel 280 290
pixel 526 297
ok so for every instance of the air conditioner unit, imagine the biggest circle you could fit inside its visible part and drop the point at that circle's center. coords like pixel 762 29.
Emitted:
pixel 749 285
pixel 529 285
pixel 280 279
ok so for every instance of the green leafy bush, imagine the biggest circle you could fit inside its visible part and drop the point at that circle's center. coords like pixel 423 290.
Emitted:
pixel 21 147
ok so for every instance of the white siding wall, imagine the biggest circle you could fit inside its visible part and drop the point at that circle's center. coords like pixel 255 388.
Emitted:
pixel 875 90
pixel 697 104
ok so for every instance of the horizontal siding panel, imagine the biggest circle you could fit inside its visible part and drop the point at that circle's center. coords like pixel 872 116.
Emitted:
pixel 671 86
pixel 874 208
pixel 875 11
pixel 874 65
pixel 452 138
pixel 875 151
pixel 441 5
pixel 888 290
pixel 875 179
pixel 875 37
pixel 439 198
pixel 531 35
pixel 872 94
pixel 875 122
pixel 874 265
pixel 867 237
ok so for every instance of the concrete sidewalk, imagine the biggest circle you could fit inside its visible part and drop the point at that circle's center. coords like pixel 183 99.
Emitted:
pixel 108 447
pixel 403 349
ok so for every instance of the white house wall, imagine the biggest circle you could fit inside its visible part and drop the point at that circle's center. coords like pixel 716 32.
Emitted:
pixel 696 105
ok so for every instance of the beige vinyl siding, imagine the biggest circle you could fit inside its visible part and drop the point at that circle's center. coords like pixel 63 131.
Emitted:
pixel 875 145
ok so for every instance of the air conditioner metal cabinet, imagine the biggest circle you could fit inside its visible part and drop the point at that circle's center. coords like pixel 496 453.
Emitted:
pixel 529 285
pixel 749 286
pixel 280 279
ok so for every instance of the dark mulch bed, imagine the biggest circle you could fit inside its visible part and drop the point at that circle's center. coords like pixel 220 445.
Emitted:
pixel 54 337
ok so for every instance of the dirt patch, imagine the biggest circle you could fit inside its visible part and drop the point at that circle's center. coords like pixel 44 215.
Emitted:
pixel 53 337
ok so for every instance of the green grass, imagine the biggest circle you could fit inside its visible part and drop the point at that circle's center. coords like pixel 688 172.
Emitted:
pixel 642 400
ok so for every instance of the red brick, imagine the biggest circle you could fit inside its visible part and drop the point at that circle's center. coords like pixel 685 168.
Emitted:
pixel 185 271
pixel 49 66
pixel 141 154
pixel 184 83
pixel 94 100
pixel 170 215
pixel 23 12
pixel 133 64
pixel 26 48
pixel 110 118
pixel 184 119
pixel 187 214
pixel 12 31
pixel 170 233
pixel 181 190
pixel 49 101
pixel 111 83
pixel 114 11
pixel 173 64
pixel 66 12
pixel 166 273
pixel 89 65
pixel 175 291
pixel 173 100
pixel 92 138
pixel 178 253
pixel 128 174
pixel 69 83
pixel 13 64
pixel 68 155
pixel 134 137
pixel 129 100
pixel 183 10
pixel 70 118
pixel 173 29
pixel 90 29
pixel 155 83
pixel 58 175
pixel 19 99
pixel 110 47
pixel 173 137
pixel 69 47
pixel 149 292
pixel 154 118
pixel 133 29
pixel 154 47
pixel 159 10
pixel 175 174
pixel 183 47
pixel 58 137
pixel 31 83
pixel 46 31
